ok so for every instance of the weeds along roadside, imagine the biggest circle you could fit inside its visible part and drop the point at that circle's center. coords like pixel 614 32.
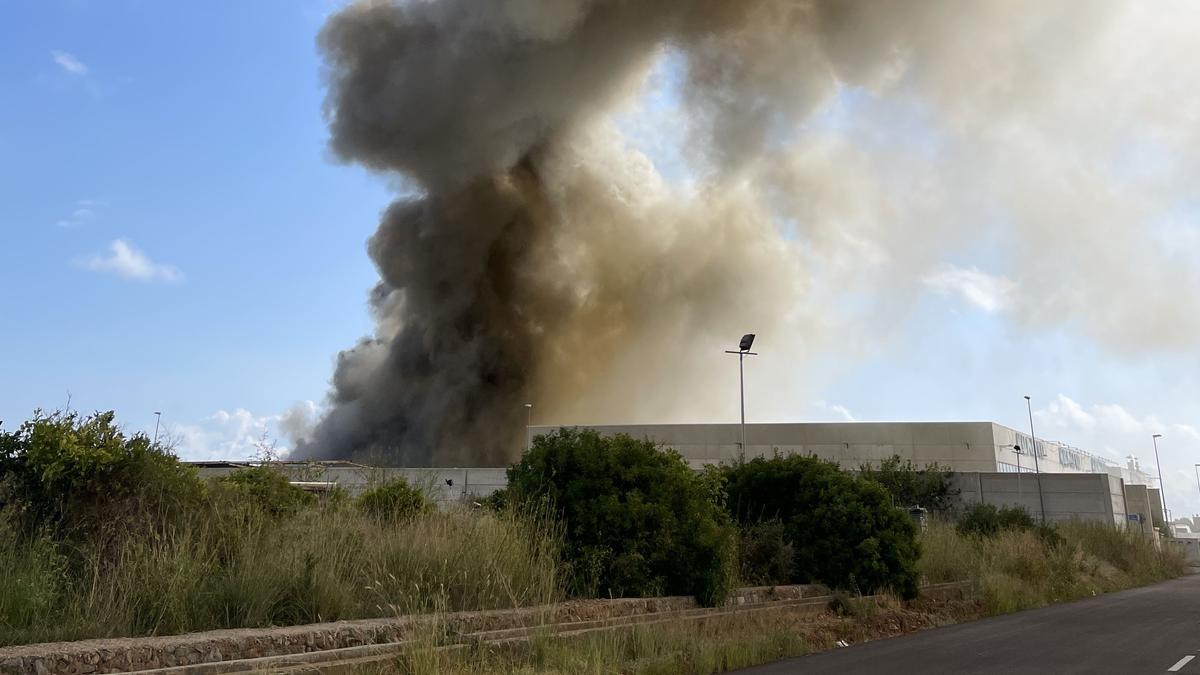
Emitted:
pixel 710 645
pixel 245 568
pixel 1022 568
pixel 1015 569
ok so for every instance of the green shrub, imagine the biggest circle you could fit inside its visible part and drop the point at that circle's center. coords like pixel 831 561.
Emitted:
pixel 909 486
pixel 267 489
pixel 394 500
pixel 986 520
pixel 637 521
pixel 765 558
pixel 845 532
pixel 81 475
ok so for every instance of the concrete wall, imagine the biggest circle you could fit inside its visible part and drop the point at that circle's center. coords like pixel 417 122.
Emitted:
pixel 464 484
pixel 1156 505
pixel 1137 501
pixel 963 446
pixel 1098 497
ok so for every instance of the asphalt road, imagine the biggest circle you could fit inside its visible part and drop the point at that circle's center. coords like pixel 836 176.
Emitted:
pixel 1155 629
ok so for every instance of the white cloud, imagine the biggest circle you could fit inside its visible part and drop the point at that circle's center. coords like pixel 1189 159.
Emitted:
pixel 987 292
pixel 298 421
pixel 84 211
pixel 68 62
pixel 1063 409
pixel 238 434
pixel 127 262
pixel 1111 429
pixel 840 412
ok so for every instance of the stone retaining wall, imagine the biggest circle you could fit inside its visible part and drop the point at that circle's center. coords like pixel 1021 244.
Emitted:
pixel 118 655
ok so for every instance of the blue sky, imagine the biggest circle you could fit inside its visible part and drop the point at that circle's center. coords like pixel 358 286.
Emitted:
pixel 177 238
pixel 193 133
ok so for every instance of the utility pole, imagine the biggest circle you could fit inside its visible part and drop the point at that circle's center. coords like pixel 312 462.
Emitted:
pixel 1037 470
pixel 743 351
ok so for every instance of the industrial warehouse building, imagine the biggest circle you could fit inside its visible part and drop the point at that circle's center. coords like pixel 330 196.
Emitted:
pixel 987 468
pixel 958 446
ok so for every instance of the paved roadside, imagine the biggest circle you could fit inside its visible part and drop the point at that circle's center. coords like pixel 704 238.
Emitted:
pixel 1154 629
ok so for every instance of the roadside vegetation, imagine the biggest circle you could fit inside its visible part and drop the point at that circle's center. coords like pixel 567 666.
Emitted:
pixel 106 534
pixel 1018 564
pixel 102 534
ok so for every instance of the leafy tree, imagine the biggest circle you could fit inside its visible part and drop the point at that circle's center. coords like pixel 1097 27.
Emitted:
pixel 845 532
pixel 637 520
pixel 394 500
pixel 909 486
pixel 65 471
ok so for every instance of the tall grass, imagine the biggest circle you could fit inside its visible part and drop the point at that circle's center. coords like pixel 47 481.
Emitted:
pixel 243 568
pixel 1021 569
pixel 709 646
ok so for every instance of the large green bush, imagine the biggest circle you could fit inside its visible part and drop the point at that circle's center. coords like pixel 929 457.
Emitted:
pixel 394 500
pixel 909 486
pixel 82 475
pixel 845 532
pixel 637 521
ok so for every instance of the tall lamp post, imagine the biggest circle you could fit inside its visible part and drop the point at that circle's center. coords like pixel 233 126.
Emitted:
pixel 157 419
pixel 743 351
pixel 528 423
pixel 1037 470
pixel 1162 492
pixel 1197 467
pixel 1198 478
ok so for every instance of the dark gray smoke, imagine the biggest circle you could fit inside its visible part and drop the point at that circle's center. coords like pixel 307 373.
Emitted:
pixel 544 260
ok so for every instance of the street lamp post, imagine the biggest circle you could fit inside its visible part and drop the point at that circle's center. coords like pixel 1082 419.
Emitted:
pixel 157 419
pixel 743 351
pixel 1037 470
pixel 528 423
pixel 1198 478
pixel 1017 451
pixel 1162 492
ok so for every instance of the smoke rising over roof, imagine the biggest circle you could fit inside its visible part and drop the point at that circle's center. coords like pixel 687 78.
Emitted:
pixel 835 151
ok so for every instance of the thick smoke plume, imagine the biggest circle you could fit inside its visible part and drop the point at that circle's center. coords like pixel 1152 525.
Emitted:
pixel 823 157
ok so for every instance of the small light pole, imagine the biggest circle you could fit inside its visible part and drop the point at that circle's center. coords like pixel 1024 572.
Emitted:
pixel 157 419
pixel 743 351
pixel 1017 451
pixel 1198 478
pixel 1162 492
pixel 528 423
pixel 1037 470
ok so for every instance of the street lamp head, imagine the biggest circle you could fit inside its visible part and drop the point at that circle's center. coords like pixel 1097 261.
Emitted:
pixel 1157 436
pixel 747 341
pixel 1026 398
pixel 1017 449
pixel 528 405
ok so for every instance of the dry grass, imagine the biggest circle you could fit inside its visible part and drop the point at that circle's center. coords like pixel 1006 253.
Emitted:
pixel 1018 570
pixel 251 570
pixel 713 645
